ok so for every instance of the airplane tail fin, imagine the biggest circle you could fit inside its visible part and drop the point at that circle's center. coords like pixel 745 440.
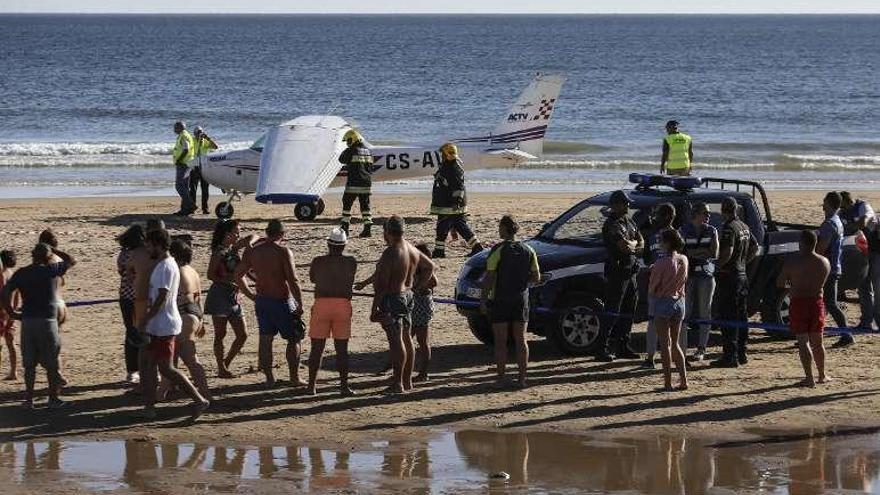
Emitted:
pixel 525 124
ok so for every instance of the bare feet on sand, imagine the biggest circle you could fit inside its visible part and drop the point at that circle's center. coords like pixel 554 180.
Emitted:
pixel 825 379
pixel 311 391
pixel 346 392
pixel 225 374
pixel 421 378
pixel 10 377
pixel 297 382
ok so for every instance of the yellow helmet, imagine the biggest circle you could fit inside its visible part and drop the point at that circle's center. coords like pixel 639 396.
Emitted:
pixel 352 136
pixel 449 150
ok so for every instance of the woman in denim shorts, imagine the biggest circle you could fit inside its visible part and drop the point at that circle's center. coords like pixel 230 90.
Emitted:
pixel 667 288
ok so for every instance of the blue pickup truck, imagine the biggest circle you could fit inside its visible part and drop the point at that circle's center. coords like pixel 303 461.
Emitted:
pixel 571 253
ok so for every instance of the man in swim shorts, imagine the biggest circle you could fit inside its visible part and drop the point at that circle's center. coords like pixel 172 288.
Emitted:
pixel 160 327
pixel 277 299
pixel 805 275
pixel 333 276
pixel 393 300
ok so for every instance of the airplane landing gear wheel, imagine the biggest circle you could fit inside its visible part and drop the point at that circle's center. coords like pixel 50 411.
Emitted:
pixel 224 210
pixel 320 206
pixel 305 212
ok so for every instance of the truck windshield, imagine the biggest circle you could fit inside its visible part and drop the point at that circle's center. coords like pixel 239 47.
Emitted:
pixel 258 144
pixel 579 225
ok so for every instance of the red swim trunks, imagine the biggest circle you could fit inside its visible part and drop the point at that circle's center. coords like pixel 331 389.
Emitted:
pixel 161 348
pixel 806 315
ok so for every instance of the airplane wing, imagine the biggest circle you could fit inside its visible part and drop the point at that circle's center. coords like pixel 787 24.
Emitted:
pixel 515 155
pixel 300 159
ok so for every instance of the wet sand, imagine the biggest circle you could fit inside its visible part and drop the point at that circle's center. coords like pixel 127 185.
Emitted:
pixel 566 394
pixel 463 461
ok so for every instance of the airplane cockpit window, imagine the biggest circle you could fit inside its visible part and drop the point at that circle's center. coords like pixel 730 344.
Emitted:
pixel 258 144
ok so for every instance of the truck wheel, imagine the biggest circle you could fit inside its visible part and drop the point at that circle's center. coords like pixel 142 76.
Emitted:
pixel 320 205
pixel 305 212
pixel 774 310
pixel 481 328
pixel 576 332
pixel 224 210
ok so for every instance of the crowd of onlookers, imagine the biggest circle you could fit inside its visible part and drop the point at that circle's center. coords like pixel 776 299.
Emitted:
pixel 163 309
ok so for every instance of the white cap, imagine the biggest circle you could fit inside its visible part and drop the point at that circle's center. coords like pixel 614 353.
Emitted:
pixel 337 237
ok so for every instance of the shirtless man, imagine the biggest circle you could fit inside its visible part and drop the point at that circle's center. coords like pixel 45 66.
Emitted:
pixel 277 299
pixel 333 275
pixel 805 275
pixel 140 265
pixel 393 300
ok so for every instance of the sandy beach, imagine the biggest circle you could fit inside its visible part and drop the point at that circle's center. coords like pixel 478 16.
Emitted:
pixel 566 394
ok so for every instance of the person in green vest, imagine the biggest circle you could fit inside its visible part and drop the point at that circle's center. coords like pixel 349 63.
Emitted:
pixel 204 145
pixel 678 151
pixel 183 152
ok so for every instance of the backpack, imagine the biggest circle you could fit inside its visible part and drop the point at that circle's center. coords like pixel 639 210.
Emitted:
pixel 514 270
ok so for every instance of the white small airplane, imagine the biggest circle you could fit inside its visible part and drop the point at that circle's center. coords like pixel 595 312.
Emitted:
pixel 296 161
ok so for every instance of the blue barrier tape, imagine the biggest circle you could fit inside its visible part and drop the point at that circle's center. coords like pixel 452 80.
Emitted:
pixel 769 327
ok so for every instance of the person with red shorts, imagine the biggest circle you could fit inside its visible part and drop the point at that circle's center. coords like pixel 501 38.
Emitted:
pixel 160 327
pixel 7 324
pixel 804 274
pixel 333 275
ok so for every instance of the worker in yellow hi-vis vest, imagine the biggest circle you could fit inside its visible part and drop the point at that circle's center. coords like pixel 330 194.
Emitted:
pixel 678 151
pixel 183 152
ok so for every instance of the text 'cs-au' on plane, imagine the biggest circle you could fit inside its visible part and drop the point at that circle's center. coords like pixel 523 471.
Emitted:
pixel 297 161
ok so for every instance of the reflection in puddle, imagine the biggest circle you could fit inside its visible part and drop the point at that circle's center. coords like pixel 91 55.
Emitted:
pixel 464 461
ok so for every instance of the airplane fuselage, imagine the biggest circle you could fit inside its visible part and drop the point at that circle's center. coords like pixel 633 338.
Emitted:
pixel 238 170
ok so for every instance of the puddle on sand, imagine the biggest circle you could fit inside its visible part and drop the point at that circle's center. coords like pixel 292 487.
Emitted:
pixel 456 462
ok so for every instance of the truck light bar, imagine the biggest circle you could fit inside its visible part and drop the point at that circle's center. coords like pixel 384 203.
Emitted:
pixel 654 180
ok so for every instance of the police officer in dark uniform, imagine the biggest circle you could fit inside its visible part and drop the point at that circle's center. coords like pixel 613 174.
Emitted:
pixel 737 247
pixel 449 203
pixel 624 244
pixel 358 162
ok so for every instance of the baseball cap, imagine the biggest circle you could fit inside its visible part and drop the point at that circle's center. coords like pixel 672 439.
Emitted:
pixel 728 204
pixel 619 196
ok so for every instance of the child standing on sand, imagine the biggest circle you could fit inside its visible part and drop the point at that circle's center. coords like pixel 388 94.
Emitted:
pixel 667 286
pixel 7 324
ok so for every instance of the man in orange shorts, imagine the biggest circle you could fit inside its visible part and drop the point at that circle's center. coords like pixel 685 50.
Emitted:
pixel 804 274
pixel 333 275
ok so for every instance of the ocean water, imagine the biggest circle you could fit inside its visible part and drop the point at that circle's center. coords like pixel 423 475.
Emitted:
pixel 87 102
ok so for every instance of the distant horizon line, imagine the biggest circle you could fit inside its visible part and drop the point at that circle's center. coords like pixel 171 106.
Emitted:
pixel 451 13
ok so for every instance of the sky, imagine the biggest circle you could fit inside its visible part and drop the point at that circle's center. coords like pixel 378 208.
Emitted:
pixel 441 6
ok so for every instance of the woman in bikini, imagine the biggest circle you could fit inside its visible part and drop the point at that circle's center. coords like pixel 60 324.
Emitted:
pixel 189 304
pixel 222 301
